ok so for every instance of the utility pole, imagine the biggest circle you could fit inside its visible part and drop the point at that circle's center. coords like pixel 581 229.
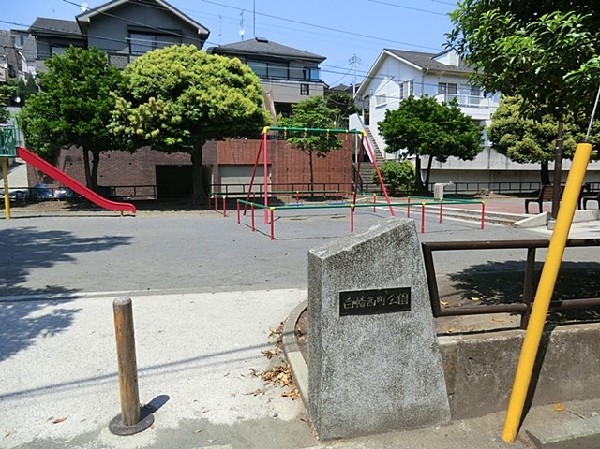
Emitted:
pixel 254 18
pixel 354 61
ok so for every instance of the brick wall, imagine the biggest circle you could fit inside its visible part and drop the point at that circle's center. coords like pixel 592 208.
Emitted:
pixel 119 168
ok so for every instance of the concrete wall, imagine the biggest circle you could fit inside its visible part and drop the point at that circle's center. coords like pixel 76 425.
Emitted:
pixel 480 368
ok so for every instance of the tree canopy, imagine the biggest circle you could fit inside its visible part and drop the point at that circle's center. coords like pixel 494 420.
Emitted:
pixel 545 52
pixel 74 107
pixel 343 104
pixel 525 140
pixel 312 113
pixel 177 98
pixel 540 51
pixel 422 126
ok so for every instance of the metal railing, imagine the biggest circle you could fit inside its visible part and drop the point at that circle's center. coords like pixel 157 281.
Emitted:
pixel 523 308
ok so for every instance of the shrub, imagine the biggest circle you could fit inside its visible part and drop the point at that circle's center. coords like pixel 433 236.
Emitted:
pixel 398 176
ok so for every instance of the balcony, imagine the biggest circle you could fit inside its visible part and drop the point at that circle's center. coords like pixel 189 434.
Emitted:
pixel 477 106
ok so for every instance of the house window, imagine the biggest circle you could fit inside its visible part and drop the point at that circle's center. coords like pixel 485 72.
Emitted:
pixel 303 89
pixel 140 43
pixel 448 90
pixel 312 73
pixel 380 100
pixel 19 40
pixel 58 50
pixel 269 70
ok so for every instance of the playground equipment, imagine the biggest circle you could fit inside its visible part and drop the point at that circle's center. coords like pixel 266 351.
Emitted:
pixel 60 176
pixel 263 151
pixel 249 200
pixel 423 203
pixel 8 143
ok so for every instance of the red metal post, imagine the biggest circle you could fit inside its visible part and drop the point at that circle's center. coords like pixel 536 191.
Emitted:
pixel 441 210
pixel 237 206
pixel 482 215
pixel 225 206
pixel 265 174
pixel 252 215
pixel 408 208
pixel 374 160
pixel 374 201
pixel 423 218
pixel 351 218
pixel 272 223
pixel 297 197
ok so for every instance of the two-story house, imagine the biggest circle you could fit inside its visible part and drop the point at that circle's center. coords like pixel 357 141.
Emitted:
pixel 124 29
pixel 398 74
pixel 288 75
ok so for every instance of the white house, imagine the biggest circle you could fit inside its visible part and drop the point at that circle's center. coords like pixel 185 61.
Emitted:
pixel 397 74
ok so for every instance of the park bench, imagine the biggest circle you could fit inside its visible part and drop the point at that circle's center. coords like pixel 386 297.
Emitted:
pixel 545 194
pixel 590 196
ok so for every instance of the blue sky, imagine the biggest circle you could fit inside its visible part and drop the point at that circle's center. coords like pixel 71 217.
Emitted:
pixel 341 30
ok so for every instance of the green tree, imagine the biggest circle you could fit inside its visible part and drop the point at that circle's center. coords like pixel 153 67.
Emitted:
pixel 343 104
pixel 179 97
pixel 74 107
pixel 398 176
pixel 422 126
pixel 545 52
pixel 312 113
pixel 4 114
pixel 525 140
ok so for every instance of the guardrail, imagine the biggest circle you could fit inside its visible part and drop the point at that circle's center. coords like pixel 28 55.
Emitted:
pixel 523 308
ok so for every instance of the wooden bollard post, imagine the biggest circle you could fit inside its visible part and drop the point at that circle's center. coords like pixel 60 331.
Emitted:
pixel 131 419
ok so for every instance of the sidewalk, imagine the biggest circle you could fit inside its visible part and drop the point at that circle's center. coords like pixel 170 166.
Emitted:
pixel 199 373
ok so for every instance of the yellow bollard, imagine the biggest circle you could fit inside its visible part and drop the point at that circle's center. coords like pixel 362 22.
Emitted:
pixel 5 179
pixel 534 331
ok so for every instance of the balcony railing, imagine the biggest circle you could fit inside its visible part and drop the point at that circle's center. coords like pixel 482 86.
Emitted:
pixel 468 101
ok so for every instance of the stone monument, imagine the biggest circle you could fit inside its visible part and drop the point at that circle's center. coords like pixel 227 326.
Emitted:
pixel 374 364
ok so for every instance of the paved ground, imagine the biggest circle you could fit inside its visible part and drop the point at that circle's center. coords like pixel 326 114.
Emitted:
pixel 207 292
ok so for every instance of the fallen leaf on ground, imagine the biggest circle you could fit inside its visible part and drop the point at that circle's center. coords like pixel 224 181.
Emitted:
pixel 59 420
pixel 255 393
pixel 559 407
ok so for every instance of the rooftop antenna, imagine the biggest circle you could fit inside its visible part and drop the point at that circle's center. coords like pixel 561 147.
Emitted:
pixel 242 30
pixel 354 61
pixel 220 30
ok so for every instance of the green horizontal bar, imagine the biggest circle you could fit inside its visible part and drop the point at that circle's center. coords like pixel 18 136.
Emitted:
pixel 313 130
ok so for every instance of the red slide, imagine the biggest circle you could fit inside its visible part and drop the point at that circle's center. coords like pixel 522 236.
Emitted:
pixel 75 186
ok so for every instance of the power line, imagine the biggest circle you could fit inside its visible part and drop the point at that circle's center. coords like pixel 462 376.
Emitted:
pixel 412 8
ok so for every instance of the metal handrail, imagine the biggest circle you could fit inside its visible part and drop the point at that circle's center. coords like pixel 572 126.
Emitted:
pixel 524 308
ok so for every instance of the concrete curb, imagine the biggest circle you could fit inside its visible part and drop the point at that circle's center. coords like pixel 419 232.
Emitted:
pixel 293 354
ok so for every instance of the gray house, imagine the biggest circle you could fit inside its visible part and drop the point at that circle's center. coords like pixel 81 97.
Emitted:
pixel 124 29
pixel 288 75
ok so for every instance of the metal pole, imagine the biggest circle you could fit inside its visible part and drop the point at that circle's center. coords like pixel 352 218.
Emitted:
pixel 130 420
pixel 5 179
pixel 408 208
pixel 272 209
pixel 544 292
pixel 482 215
pixel 351 218
pixel 237 205
pixel 423 218
pixel 441 210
